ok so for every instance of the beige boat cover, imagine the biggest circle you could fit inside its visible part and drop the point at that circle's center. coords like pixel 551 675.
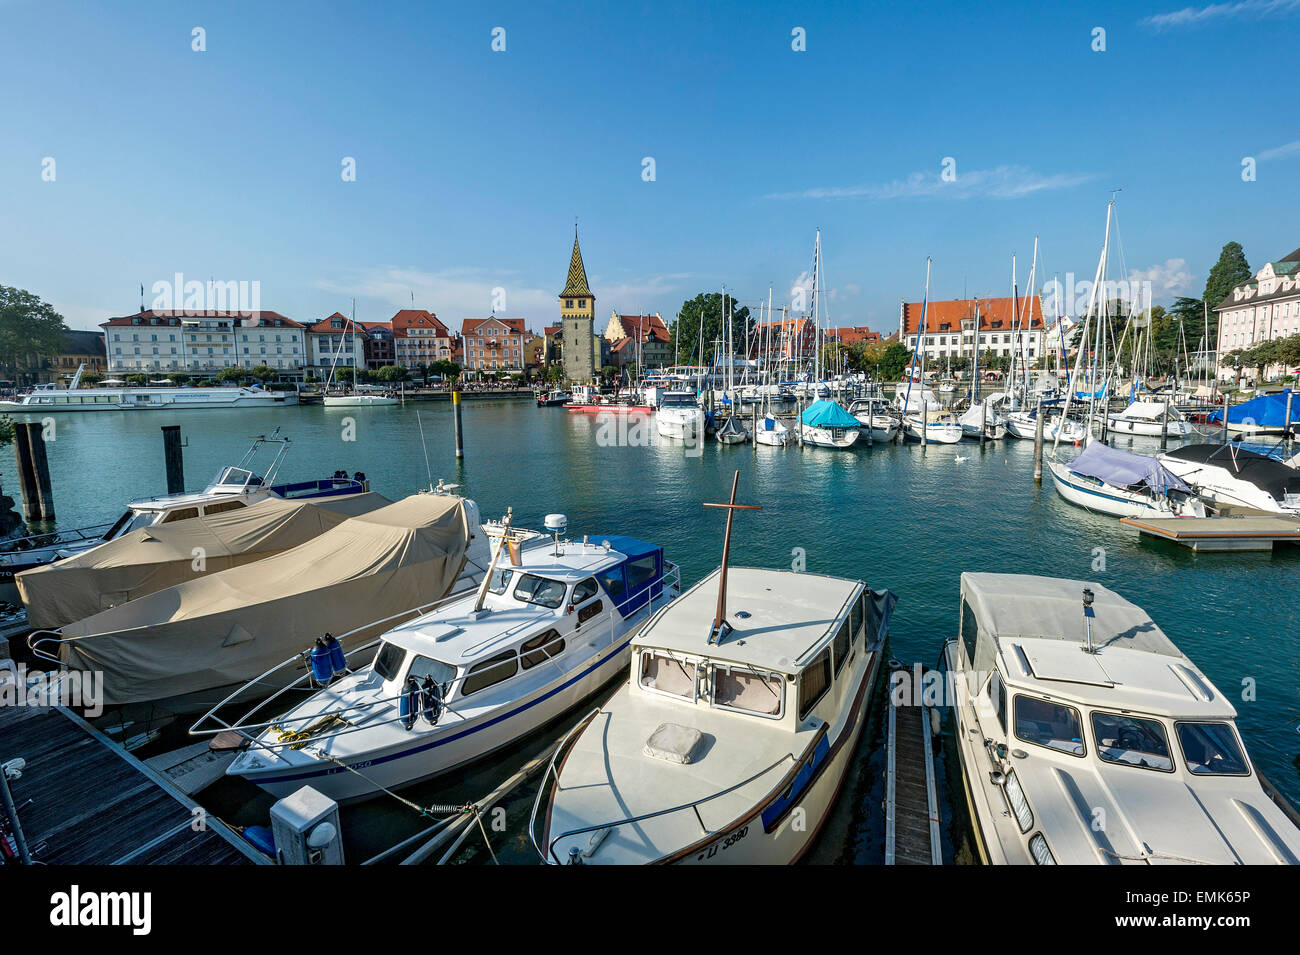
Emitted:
pixel 227 628
pixel 152 558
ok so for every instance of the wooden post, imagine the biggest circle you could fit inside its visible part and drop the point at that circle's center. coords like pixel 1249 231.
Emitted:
pixel 984 422
pixel 1227 403
pixel 455 417
pixel 173 458
pixel 1164 427
pixel 1038 443
pixel 33 472
pixel 753 425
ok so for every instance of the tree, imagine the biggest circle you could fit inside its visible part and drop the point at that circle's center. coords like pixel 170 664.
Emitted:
pixel 707 308
pixel 30 331
pixel 263 372
pixel 228 374
pixel 178 378
pixel 91 378
pixel 1230 271
pixel 892 361
pixel 392 373
pixel 136 379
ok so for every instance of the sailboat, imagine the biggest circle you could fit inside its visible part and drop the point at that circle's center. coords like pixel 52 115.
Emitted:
pixel 824 423
pixel 355 399
pixel 925 421
pixel 771 431
pixel 731 431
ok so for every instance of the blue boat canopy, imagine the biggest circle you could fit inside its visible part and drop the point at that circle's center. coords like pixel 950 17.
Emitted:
pixel 1266 411
pixel 827 414
pixel 1124 469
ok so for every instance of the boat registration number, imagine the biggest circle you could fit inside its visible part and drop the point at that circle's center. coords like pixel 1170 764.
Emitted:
pixel 723 845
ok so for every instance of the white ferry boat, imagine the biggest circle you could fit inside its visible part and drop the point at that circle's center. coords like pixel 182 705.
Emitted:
pixel 50 398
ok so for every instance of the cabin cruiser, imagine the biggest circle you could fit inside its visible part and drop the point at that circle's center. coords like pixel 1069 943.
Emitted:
pixel 872 416
pixel 553 398
pixel 47 398
pixel 232 488
pixel 1227 474
pixel 1087 737
pixel 550 625
pixel 732 739
pixel 1150 418
pixel 938 424
pixel 680 416
pixel 1110 481
pixel 985 417
pixel 1023 424
pixel 825 424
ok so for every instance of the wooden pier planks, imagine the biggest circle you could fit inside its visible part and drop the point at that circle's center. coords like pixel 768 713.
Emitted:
pixel 1255 533
pixel 911 810
pixel 95 804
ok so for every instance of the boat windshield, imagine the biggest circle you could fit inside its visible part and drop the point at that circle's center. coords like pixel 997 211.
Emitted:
pixel 500 580
pixel 1210 749
pixel 239 477
pixel 1053 725
pixel 539 590
pixel 750 691
pixel 1132 741
pixel 678 401
pixel 131 521
pixel 388 662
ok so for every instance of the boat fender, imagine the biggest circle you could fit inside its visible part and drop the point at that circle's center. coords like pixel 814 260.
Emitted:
pixel 408 707
pixel 260 838
pixel 338 660
pixel 430 701
pixel 321 670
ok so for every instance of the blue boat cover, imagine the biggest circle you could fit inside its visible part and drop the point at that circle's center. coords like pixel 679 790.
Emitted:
pixel 1266 411
pixel 1124 469
pixel 827 414
pixel 630 547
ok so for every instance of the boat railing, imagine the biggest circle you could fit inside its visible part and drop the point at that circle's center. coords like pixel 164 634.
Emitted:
pixel 54 538
pixel 251 731
pixel 551 773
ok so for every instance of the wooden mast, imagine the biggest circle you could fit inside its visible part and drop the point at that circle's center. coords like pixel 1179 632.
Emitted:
pixel 720 616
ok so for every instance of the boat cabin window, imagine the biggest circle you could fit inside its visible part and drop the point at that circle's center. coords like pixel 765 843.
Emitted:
pixel 442 673
pixel 855 617
pixel 500 580
pixel 490 672
pixel 1053 725
pixel 841 646
pixel 180 514
pixel 814 681
pixel 131 521
pixel 540 591
pixel 1210 749
pixel 541 648
pixel 222 506
pixel 969 631
pixel 388 662
pixel 664 673
pixel 237 476
pixel 640 572
pixel 612 580
pixel 585 590
pixel 592 609
pixel 998 698
pixel 1132 741
pixel 750 691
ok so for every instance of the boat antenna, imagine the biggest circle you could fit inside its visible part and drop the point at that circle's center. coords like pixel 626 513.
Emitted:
pixel 1088 615
pixel 427 470
pixel 717 632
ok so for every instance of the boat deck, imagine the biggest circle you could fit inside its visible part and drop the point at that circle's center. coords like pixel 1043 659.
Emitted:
pixel 93 803
pixel 911 798
pixel 1220 533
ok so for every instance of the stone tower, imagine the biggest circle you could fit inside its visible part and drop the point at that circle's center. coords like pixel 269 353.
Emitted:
pixel 577 315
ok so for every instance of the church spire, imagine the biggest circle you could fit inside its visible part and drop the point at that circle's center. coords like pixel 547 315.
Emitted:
pixel 576 286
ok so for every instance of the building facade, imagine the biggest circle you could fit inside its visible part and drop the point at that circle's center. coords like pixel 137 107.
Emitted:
pixel 950 327
pixel 203 343
pixel 639 339
pixel 332 345
pixel 378 350
pixel 79 348
pixel 577 320
pixel 493 344
pixel 420 338
pixel 1268 306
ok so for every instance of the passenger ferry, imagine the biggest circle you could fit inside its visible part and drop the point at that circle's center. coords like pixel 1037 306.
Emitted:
pixel 1087 737
pixel 49 397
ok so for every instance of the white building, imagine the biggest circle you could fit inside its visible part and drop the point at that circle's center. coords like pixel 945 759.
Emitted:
pixel 158 342
pixel 950 328
pixel 1268 306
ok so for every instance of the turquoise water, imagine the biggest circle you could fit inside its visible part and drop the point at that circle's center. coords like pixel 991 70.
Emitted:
pixel 899 517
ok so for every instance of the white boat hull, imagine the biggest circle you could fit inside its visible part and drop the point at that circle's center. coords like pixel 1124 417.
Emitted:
pixel 947 432
pixel 149 400
pixel 882 427
pixel 1150 429
pixel 838 438
pixel 1104 498
pixel 358 401
pixel 682 427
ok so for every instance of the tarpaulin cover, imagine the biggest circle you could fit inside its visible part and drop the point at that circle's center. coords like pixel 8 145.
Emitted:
pixel 153 558
pixel 1266 411
pixel 230 627
pixel 827 414
pixel 1124 469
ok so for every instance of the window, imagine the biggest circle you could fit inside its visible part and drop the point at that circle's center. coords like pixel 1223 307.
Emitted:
pixel 585 590
pixel 1210 749
pixel 500 580
pixel 180 514
pixel 664 673
pixel 640 572
pixel 592 609
pixel 541 648
pixel 612 581
pixel 1053 725
pixel 998 698
pixel 750 691
pixel 814 682
pixel 841 645
pixel 540 591
pixel 388 662
pixel 490 672
pixel 443 673
pixel 1131 741
pixel 969 631
pixel 222 506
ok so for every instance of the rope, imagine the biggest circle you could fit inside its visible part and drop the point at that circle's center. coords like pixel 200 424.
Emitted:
pixel 486 841
pixel 428 811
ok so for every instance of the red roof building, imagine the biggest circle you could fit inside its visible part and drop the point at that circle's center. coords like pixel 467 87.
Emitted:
pixel 203 342
pixel 420 338
pixel 493 344
pixel 1005 325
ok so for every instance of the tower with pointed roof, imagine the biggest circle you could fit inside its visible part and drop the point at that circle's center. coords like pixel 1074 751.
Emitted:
pixel 577 317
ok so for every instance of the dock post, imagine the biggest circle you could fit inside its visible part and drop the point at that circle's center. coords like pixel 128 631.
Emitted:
pixel 1227 403
pixel 11 813
pixel 1038 444
pixel 1286 426
pixel 984 419
pixel 798 412
pixel 173 458
pixel 1164 428
pixel 33 472
pixel 26 479
pixel 753 426
pixel 455 417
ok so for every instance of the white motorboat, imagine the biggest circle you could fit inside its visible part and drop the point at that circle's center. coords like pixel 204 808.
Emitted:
pixel 1149 418
pixel 1110 481
pixel 1087 737
pixel 987 417
pixel 732 740
pixel 550 625
pixel 553 398
pixel 871 416
pixel 772 432
pixel 1021 424
pixel 940 426
pixel 825 424
pixel 44 399
pixel 1226 474
pixel 680 416
pixel 359 400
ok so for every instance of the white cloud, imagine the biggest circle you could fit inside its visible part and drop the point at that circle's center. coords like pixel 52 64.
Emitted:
pixel 1001 182
pixel 1194 16
pixel 1167 281
pixel 1290 149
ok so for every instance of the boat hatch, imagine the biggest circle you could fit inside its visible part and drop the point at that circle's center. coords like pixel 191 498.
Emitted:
pixel 1067 663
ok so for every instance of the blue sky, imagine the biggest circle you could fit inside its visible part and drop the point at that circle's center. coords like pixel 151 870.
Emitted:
pixel 471 165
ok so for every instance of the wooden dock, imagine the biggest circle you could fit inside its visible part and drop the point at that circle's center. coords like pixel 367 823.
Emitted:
pixel 93 803
pixel 1247 533
pixel 911 800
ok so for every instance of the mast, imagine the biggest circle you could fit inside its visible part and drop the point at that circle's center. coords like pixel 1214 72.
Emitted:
pixel 716 632
pixel 1083 339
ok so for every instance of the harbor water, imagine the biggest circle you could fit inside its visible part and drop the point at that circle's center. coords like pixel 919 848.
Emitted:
pixel 901 517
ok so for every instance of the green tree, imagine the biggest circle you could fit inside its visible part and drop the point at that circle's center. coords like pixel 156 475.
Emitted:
pixel 708 308
pixel 892 361
pixel 30 331
pixel 263 372
pixel 392 373
pixel 136 379
pixel 230 374
pixel 1230 271
pixel 91 378
pixel 178 378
